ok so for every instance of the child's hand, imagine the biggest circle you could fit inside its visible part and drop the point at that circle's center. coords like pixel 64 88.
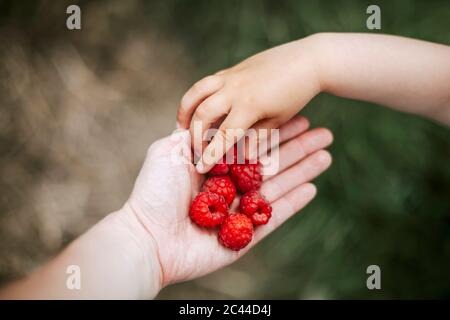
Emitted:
pixel 269 88
pixel 263 91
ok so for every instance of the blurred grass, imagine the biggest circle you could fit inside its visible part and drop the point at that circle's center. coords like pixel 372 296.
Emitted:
pixel 385 200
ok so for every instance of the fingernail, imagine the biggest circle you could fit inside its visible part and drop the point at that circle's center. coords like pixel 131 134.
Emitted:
pixel 178 125
pixel 200 167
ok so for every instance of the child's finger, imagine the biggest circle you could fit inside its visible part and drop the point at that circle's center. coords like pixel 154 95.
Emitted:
pixel 207 113
pixel 298 148
pixel 195 95
pixel 300 173
pixel 231 130
pixel 285 207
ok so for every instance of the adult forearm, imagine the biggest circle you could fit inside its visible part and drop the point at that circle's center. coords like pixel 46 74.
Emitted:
pixel 116 259
pixel 406 74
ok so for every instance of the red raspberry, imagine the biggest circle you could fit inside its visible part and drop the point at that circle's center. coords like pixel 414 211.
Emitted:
pixel 222 186
pixel 236 231
pixel 222 167
pixel 247 177
pixel 255 207
pixel 219 169
pixel 208 209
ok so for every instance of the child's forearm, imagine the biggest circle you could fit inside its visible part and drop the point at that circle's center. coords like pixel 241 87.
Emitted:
pixel 406 74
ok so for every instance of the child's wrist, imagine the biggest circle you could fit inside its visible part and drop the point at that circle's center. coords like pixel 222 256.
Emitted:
pixel 316 46
pixel 306 62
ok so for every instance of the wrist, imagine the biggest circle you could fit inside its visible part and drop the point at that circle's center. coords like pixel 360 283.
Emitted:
pixel 115 259
pixel 316 46
pixel 302 63
pixel 141 250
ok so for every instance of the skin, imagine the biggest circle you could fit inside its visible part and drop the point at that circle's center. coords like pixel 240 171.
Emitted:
pixel 151 242
pixel 270 87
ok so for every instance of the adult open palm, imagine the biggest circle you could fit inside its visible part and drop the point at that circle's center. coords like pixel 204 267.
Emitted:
pixel 168 182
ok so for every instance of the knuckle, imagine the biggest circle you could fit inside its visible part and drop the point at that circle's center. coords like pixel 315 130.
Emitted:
pixel 209 104
pixel 206 83
pixel 213 79
pixel 197 87
pixel 299 145
pixel 226 135
pixel 202 112
pixel 273 190
pixel 221 72
pixel 229 137
pixel 184 103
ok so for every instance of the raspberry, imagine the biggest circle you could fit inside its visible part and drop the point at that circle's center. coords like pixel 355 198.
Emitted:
pixel 236 231
pixel 247 177
pixel 222 167
pixel 208 209
pixel 255 207
pixel 219 169
pixel 222 186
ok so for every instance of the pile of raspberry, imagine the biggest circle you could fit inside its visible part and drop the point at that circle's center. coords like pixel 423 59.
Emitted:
pixel 211 207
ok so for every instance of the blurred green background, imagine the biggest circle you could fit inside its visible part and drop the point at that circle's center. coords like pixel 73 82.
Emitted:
pixel 385 200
